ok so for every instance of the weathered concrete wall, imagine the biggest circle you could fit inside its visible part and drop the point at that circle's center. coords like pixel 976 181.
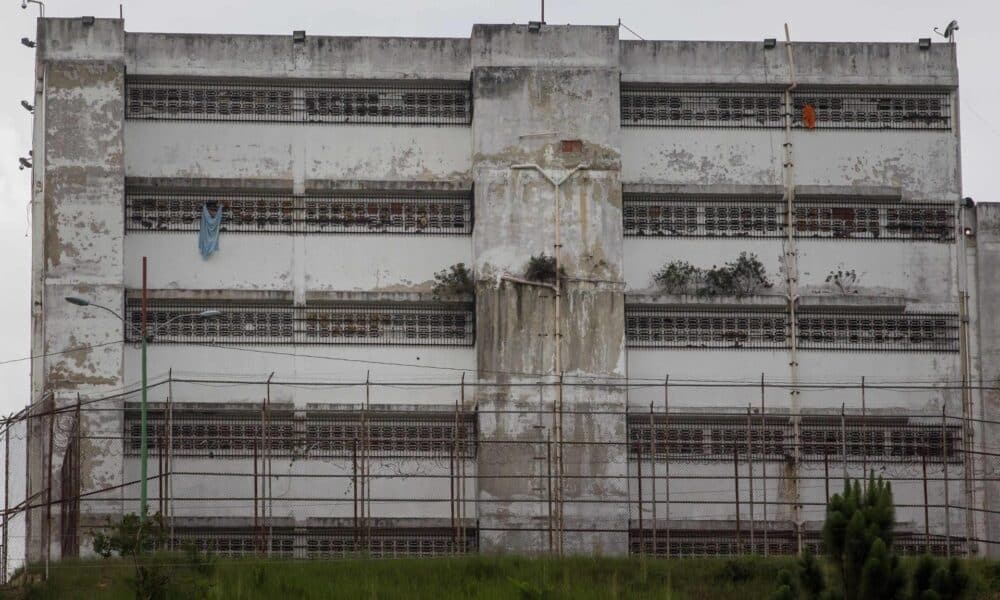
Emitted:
pixel 77 210
pixel 525 107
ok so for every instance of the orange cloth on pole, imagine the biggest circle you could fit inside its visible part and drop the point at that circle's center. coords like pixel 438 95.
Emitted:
pixel 809 116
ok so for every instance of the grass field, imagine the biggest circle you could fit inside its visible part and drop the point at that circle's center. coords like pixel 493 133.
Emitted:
pixel 477 577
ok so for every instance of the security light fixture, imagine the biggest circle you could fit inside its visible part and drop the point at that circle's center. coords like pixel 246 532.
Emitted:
pixel 534 26
pixel 27 107
pixel 299 36
pixel 77 301
pixel 969 202
pixel 25 163
pixel 27 42
pixel 968 232
pixel 924 43
pixel 87 20
pixel 770 43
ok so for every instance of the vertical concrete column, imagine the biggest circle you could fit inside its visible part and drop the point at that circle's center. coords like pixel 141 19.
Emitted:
pixel 78 228
pixel 549 99
pixel 987 277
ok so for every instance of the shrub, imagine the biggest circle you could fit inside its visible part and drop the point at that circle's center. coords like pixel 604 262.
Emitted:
pixel 742 277
pixel 677 277
pixel 135 539
pixel 934 579
pixel 542 268
pixel 454 281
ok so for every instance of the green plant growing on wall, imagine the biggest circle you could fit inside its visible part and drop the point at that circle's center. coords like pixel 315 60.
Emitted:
pixel 456 280
pixel 844 281
pixel 542 268
pixel 677 277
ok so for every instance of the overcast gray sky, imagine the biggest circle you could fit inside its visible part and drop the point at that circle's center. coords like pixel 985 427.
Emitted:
pixel 846 20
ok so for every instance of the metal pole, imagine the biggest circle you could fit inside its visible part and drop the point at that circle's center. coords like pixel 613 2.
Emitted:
pixel 763 461
pixel 79 472
pixel 666 433
pixel 864 438
pixel 927 517
pixel 560 465
pixel 170 452
pixel 826 476
pixel 750 475
pixel 652 471
pixel 48 503
pixel 354 486
pixel 268 466
pixel 843 440
pixel 947 501
pixel 548 448
pixel 638 462
pixel 143 434
pixel 451 493
pixel 256 521
pixel 461 465
pixel 736 484
pixel 6 496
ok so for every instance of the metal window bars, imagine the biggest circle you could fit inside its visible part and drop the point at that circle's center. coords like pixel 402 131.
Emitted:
pixel 233 542
pixel 366 323
pixel 652 326
pixel 390 542
pixel 716 438
pixel 369 211
pixel 680 215
pixel 401 102
pixel 226 432
pixel 667 105
pixel 686 542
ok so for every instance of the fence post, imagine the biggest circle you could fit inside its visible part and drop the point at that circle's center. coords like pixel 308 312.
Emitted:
pixel 652 471
pixel 763 462
pixel 927 518
pixel 736 485
pixel 947 501
pixel 750 475
pixel 666 435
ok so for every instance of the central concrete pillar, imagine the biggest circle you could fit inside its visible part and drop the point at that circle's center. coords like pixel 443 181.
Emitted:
pixel 546 103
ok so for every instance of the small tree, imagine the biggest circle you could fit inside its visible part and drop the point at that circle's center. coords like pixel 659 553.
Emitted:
pixel 858 538
pixel 936 580
pixel 542 268
pixel 453 281
pixel 677 277
pixel 135 539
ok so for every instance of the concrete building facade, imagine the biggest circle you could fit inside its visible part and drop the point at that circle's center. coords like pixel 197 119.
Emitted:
pixel 351 170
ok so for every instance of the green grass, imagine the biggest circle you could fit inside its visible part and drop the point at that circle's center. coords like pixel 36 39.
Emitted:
pixel 477 577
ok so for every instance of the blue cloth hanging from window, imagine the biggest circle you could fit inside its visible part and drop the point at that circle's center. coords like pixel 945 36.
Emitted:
pixel 208 235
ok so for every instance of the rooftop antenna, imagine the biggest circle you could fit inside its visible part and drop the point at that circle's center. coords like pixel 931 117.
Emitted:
pixel 41 6
pixel 949 31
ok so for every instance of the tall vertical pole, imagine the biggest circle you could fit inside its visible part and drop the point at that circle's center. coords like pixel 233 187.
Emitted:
pixel 864 438
pixel 78 475
pixel 666 455
pixel 143 433
pixel 843 440
pixel 791 268
pixel 947 501
pixel 548 454
pixel 652 471
pixel 170 453
pixel 354 486
pixel 267 465
pixel 256 521
pixel 6 496
pixel 750 474
pixel 763 460
pixel 638 463
pixel 736 490
pixel 48 503
pixel 927 516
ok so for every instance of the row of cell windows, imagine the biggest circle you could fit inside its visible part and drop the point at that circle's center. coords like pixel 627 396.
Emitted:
pixel 678 216
pixel 451 103
pixel 651 327
pixel 716 440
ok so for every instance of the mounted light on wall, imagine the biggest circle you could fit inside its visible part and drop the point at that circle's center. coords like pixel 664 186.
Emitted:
pixel 770 43
pixel 25 163
pixel 27 42
pixel 924 43
pixel 27 107
pixel 299 36
pixel 534 26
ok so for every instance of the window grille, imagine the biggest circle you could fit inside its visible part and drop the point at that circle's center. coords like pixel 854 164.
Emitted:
pixel 665 105
pixel 402 323
pixel 382 542
pixel 414 212
pixel 782 540
pixel 394 434
pixel 235 542
pixel 718 437
pixel 651 326
pixel 657 327
pixel 214 432
pixel 410 102
pixel 680 216
pixel 906 331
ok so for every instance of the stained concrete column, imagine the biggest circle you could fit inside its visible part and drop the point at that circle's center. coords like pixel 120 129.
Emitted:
pixel 78 228
pixel 549 99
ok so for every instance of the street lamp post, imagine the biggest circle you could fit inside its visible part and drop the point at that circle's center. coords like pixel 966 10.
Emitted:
pixel 145 335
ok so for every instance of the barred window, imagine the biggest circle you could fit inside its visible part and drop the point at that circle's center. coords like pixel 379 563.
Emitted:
pixel 386 542
pixel 924 222
pixel 907 331
pixel 719 437
pixel 299 101
pixel 235 542
pixel 837 221
pixel 396 211
pixel 666 105
pixel 685 216
pixel 655 327
pixel 225 432
pixel 399 323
